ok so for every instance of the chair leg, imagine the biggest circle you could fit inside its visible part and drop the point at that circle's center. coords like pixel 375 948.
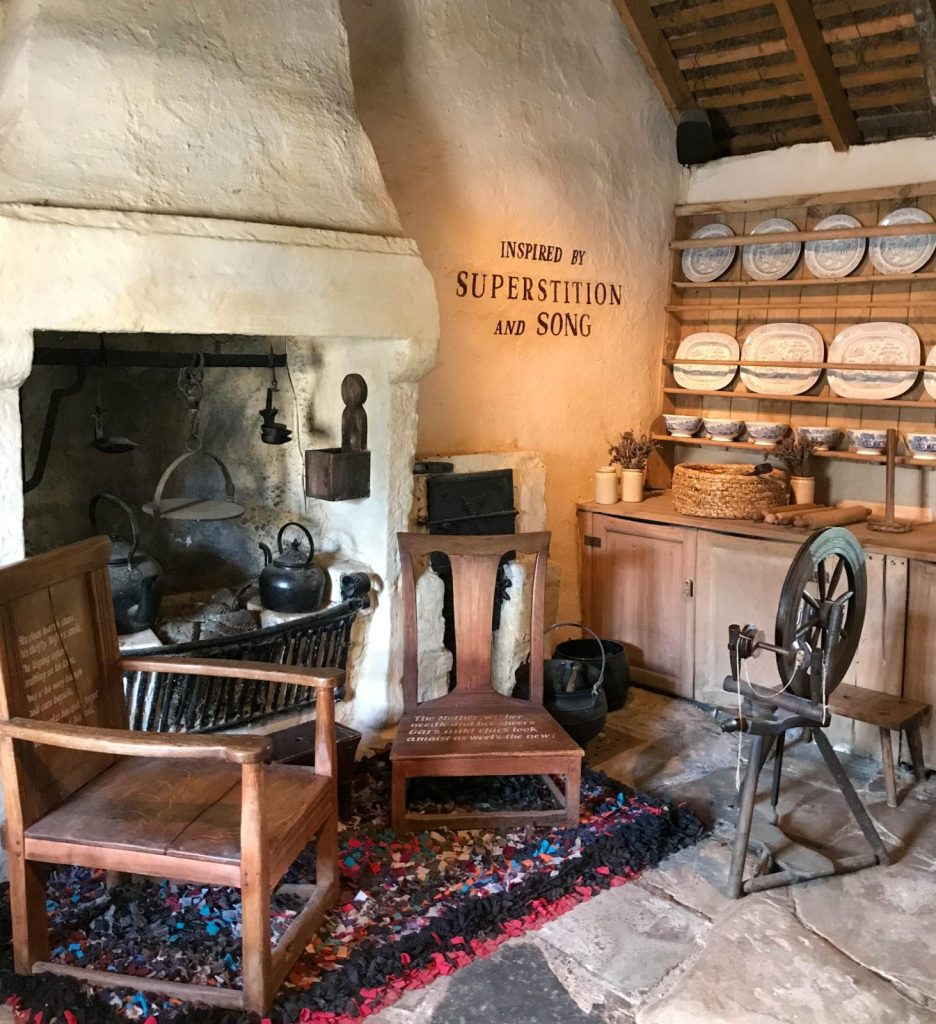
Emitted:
pixel 28 912
pixel 326 855
pixel 573 792
pixel 398 798
pixel 257 960
pixel 915 743
pixel 887 760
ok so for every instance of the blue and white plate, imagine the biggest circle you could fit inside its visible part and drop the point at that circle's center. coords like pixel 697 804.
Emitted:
pixel 835 257
pixel 903 254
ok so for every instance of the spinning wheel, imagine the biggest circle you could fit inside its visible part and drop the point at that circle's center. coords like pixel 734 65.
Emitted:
pixel 828 572
pixel 817 630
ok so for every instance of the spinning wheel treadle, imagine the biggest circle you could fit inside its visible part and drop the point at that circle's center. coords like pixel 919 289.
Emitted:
pixel 817 630
pixel 828 567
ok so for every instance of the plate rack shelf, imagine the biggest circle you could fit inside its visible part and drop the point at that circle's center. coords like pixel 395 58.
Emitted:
pixel 735 305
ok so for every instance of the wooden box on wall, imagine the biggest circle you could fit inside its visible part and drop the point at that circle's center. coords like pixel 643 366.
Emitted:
pixel 337 475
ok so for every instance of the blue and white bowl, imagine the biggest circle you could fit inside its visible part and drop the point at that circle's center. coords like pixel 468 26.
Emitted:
pixel 867 442
pixel 765 433
pixel 723 430
pixel 921 446
pixel 826 437
pixel 681 426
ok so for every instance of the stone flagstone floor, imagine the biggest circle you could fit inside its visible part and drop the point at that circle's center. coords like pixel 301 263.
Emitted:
pixel 672 949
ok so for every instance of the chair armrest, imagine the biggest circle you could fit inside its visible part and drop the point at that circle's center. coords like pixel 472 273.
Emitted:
pixel 264 671
pixel 242 749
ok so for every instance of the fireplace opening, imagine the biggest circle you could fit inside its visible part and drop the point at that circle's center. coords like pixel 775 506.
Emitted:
pixel 109 414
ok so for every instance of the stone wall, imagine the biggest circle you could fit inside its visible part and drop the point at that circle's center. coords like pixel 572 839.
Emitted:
pixel 530 120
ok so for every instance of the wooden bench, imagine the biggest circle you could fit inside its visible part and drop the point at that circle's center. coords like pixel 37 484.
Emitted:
pixel 889 714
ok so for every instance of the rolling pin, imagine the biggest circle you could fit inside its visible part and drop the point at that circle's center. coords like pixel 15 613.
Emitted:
pixel 787 512
pixel 832 517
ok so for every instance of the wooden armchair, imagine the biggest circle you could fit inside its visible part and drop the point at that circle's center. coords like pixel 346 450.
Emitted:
pixel 473 729
pixel 80 788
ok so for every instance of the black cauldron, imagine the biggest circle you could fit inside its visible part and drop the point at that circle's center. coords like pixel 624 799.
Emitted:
pixel 573 692
pixel 617 667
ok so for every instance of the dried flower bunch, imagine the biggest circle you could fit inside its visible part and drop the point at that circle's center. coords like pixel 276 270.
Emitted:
pixel 795 452
pixel 632 452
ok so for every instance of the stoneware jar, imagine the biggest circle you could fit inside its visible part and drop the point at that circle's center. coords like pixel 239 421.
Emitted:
pixel 804 489
pixel 606 486
pixel 632 484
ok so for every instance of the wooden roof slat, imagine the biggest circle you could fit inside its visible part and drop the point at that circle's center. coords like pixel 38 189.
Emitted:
pixel 746 97
pixel 776 112
pixel 867 29
pixel 828 9
pixel 762 72
pixel 749 142
pixel 740 29
pixel 915 92
pixel 818 71
pixel 902 72
pixel 717 57
pixel 656 55
pixel 876 53
pixel 684 15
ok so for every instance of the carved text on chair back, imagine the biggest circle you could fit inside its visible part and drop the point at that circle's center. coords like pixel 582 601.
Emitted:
pixel 57 660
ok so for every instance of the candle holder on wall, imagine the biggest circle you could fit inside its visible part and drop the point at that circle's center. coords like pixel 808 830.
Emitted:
pixel 342 474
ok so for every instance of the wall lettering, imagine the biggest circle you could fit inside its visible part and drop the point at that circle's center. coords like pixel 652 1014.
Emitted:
pixel 553 291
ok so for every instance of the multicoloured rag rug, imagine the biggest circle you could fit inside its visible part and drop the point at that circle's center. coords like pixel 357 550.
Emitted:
pixel 411 909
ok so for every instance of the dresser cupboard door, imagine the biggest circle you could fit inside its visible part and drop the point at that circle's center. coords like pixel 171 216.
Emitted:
pixel 879 661
pixel 637 588
pixel 738 580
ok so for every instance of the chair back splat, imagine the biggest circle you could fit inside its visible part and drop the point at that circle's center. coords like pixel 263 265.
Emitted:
pixel 474 561
pixel 473 730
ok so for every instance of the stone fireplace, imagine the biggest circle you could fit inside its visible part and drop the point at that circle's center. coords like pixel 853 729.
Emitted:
pixel 220 195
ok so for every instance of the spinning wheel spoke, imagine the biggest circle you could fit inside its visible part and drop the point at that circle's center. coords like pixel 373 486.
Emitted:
pixel 821 580
pixel 810 600
pixel 836 577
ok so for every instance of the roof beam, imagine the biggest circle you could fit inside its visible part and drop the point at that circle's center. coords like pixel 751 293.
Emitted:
pixel 655 52
pixel 805 38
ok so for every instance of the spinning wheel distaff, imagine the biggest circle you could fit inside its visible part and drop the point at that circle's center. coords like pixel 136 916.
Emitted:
pixel 818 626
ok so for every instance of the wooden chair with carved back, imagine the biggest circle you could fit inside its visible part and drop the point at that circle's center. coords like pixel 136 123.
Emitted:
pixel 473 730
pixel 80 788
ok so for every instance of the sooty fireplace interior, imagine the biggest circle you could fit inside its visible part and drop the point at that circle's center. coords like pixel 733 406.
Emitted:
pixel 470 505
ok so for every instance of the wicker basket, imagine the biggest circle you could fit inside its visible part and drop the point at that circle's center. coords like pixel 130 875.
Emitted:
pixel 726 492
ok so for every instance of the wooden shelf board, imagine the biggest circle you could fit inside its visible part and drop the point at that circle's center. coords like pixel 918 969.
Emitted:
pixel 802 365
pixel 809 282
pixel 877 460
pixel 730 446
pixel 899 403
pixel 774 238
pixel 904 303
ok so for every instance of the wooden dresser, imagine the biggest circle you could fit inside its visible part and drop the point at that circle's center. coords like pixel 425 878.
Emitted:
pixel 669 585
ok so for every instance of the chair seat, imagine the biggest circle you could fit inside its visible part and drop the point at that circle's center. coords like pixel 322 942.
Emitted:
pixel 492 726
pixel 182 808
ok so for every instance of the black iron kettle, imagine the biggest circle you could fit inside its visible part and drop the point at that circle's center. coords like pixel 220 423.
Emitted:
pixel 290 581
pixel 136 578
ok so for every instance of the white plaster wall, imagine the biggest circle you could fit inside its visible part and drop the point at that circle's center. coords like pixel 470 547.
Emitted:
pixel 810 168
pixel 229 108
pixel 531 120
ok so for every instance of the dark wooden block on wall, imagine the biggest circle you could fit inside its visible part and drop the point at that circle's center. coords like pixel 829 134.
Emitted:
pixel 337 475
